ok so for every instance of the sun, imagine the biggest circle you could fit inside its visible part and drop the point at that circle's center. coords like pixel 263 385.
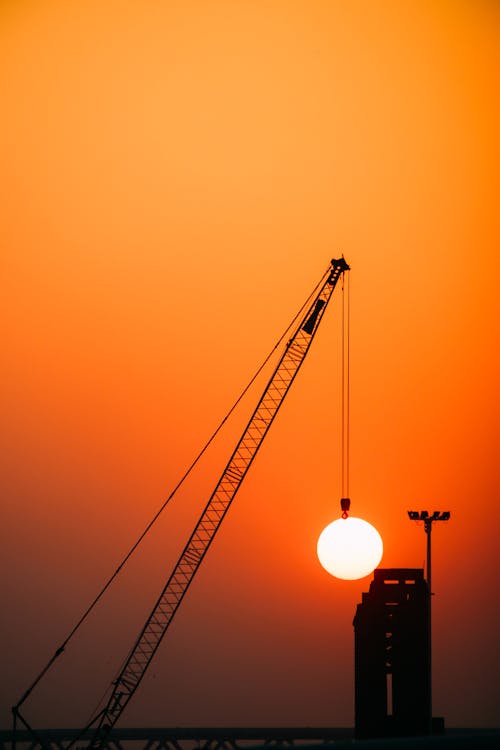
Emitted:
pixel 350 548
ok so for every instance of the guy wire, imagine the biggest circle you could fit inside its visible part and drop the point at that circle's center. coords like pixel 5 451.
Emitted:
pixel 188 471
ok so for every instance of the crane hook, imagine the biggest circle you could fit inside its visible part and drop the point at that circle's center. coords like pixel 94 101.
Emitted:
pixel 345 504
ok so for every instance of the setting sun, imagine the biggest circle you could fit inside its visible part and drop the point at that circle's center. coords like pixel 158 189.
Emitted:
pixel 350 548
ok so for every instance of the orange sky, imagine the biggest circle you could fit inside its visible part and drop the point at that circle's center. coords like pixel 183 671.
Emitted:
pixel 175 178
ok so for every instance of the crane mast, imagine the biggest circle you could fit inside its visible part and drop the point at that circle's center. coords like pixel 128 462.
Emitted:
pixel 216 508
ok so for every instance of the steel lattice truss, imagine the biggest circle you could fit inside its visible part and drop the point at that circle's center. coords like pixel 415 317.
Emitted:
pixel 179 738
pixel 177 585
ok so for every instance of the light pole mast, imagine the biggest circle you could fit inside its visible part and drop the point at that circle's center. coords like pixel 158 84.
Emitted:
pixel 428 520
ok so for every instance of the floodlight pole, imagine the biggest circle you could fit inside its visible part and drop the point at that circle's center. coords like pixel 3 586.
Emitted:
pixel 428 532
pixel 428 519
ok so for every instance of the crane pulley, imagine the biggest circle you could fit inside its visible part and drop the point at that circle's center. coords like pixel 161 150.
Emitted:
pixel 170 598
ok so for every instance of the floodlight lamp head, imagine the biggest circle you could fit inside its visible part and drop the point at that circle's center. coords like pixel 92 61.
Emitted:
pixel 424 515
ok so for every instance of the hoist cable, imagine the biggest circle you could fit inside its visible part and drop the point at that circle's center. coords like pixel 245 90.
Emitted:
pixel 346 385
pixel 188 471
pixel 342 392
pixel 348 377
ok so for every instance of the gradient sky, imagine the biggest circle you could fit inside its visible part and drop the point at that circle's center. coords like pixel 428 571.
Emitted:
pixel 175 178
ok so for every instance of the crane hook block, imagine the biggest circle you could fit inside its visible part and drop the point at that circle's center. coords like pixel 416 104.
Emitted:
pixel 345 504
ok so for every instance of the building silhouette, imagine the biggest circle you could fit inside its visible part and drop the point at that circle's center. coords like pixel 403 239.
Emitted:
pixel 391 655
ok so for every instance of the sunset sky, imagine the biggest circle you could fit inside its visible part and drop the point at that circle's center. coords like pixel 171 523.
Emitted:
pixel 175 177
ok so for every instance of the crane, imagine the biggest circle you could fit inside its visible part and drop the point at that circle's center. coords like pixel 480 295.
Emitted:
pixel 191 557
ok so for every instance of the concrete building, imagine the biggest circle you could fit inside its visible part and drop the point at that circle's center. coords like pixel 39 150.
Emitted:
pixel 391 655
